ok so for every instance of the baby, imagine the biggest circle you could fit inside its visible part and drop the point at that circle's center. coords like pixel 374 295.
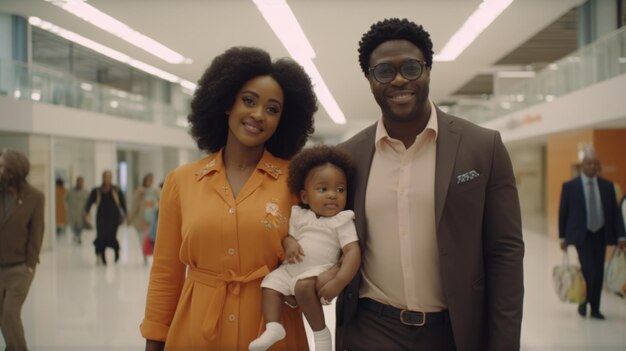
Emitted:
pixel 320 230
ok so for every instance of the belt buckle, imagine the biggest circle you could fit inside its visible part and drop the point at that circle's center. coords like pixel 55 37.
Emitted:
pixel 413 324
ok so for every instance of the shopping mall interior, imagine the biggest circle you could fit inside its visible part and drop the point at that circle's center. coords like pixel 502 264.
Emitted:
pixel 79 98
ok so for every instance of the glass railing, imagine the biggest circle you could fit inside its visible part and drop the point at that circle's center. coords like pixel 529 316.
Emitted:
pixel 601 60
pixel 40 84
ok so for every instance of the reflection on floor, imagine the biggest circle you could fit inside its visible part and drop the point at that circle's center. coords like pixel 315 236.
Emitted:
pixel 76 305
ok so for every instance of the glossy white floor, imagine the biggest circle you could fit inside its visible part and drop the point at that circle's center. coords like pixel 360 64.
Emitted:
pixel 76 305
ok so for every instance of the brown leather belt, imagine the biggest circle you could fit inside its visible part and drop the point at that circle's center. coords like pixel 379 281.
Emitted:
pixel 406 317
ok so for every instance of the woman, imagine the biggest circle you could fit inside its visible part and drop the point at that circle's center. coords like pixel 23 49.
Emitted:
pixel 222 218
pixel 145 202
pixel 110 213
pixel 21 234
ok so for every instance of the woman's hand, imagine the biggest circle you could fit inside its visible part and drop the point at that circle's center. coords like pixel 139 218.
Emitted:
pixel 293 250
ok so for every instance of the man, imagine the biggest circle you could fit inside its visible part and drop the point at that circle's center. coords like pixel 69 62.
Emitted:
pixel 437 214
pixel 590 219
pixel 21 235
pixel 76 199
pixel 111 210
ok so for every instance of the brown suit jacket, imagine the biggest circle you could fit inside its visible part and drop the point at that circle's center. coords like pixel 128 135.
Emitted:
pixel 21 233
pixel 479 233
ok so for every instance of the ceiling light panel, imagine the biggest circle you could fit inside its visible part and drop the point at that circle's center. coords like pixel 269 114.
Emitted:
pixel 481 18
pixel 283 22
pixel 107 51
pixel 92 15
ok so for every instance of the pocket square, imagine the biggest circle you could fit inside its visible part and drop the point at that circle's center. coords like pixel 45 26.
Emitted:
pixel 466 177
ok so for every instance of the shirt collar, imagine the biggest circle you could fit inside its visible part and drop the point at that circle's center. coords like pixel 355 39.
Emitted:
pixel 587 179
pixel 432 125
pixel 214 163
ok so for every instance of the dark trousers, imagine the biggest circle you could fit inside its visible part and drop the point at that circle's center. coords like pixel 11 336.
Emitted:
pixel 591 254
pixel 372 331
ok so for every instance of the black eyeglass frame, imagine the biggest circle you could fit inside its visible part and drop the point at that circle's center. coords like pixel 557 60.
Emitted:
pixel 422 65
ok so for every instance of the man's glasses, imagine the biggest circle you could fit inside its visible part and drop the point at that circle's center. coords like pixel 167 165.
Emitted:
pixel 386 72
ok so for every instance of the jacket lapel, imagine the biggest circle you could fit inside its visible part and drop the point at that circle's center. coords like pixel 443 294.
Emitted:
pixel 447 146
pixel 363 155
pixel 6 216
pixel 3 215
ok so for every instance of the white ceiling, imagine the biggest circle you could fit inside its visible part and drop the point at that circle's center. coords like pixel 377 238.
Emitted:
pixel 202 29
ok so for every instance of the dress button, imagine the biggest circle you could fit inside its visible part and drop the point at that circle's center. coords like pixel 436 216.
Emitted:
pixel 231 210
pixel 231 252
pixel 231 317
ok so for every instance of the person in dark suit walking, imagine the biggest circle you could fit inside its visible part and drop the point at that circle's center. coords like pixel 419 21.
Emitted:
pixel 590 219
pixel 432 193
pixel 21 235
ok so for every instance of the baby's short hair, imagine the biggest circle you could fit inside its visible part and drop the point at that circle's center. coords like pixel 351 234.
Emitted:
pixel 309 158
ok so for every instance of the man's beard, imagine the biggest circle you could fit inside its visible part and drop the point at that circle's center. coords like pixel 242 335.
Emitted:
pixel 6 183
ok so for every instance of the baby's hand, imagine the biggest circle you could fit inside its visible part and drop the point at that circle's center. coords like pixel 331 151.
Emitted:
pixel 293 252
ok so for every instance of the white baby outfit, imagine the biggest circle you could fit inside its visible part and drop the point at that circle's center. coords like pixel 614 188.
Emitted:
pixel 321 239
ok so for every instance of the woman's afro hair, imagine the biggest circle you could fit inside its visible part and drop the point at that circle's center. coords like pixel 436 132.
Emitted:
pixel 218 88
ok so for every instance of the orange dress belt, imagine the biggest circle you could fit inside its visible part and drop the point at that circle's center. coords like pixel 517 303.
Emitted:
pixel 223 282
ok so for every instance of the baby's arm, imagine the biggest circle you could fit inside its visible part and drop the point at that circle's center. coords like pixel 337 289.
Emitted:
pixel 293 250
pixel 350 264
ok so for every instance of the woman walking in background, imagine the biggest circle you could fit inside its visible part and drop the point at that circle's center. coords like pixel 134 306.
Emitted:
pixel 111 209
pixel 142 214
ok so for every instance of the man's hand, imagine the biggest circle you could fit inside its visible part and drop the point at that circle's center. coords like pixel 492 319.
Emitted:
pixel 563 245
pixel 329 291
pixel 621 245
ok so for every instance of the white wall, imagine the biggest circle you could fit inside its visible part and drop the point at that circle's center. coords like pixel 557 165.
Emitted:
pixel 105 158
pixel 529 168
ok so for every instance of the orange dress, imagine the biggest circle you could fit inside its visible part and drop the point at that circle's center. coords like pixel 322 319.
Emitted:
pixel 212 251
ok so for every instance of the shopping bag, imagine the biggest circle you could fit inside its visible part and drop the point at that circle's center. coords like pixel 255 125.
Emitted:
pixel 147 245
pixel 577 292
pixel 616 272
pixel 569 282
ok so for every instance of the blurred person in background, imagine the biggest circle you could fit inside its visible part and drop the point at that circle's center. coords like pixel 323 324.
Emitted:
pixel 590 219
pixel 60 210
pixel 21 235
pixel 142 213
pixel 110 213
pixel 76 199
pixel 153 227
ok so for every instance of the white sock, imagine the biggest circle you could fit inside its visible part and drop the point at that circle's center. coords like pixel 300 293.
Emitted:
pixel 273 333
pixel 323 340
